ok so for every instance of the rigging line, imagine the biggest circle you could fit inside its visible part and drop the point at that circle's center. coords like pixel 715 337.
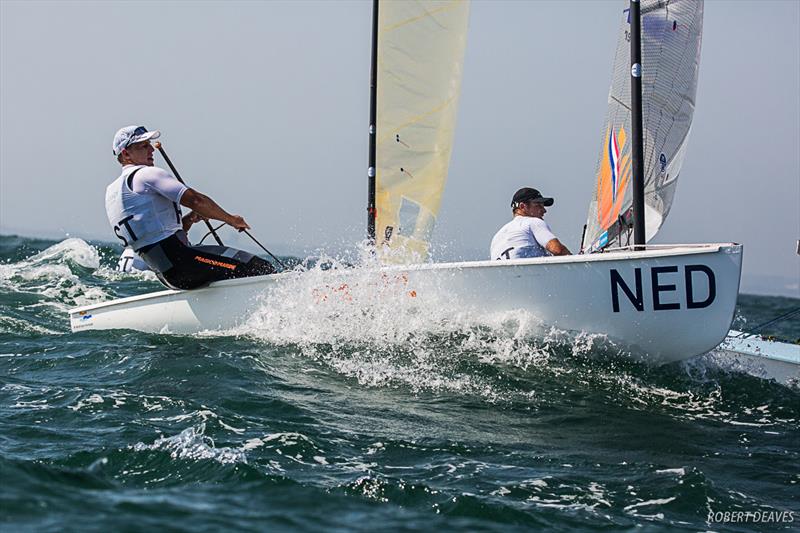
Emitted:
pixel 262 247
pixel 775 320
pixel 213 230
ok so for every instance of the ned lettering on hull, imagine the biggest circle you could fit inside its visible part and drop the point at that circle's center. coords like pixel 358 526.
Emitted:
pixel 663 289
pixel 144 209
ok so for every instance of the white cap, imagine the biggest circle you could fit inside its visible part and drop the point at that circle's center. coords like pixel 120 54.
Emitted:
pixel 130 135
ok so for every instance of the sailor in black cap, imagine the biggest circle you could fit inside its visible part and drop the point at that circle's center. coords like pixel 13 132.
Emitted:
pixel 527 235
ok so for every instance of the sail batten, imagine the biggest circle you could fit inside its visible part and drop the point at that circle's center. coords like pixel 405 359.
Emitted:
pixel 420 58
pixel 671 42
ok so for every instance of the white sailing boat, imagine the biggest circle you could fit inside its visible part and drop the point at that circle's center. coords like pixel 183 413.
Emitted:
pixel 661 303
pixel 760 356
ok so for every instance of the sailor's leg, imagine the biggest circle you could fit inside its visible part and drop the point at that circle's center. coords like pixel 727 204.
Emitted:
pixel 188 267
pixel 199 266
pixel 249 264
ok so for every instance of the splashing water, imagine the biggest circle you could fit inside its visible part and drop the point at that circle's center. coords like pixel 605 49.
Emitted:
pixel 370 325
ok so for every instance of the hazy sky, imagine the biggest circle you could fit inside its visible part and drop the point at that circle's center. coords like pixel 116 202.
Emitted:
pixel 264 106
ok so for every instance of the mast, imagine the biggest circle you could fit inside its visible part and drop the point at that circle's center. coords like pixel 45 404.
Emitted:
pixel 373 87
pixel 637 142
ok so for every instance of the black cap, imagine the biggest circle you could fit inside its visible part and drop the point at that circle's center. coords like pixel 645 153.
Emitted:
pixel 526 194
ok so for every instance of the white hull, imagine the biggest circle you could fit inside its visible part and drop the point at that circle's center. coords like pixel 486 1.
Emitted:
pixel 668 322
pixel 761 357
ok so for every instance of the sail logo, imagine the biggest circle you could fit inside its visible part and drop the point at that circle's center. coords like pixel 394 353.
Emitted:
pixel 613 158
pixel 613 177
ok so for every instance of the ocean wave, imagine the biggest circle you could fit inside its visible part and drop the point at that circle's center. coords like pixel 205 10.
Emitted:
pixel 192 444
pixel 72 250
pixel 56 274
pixel 20 327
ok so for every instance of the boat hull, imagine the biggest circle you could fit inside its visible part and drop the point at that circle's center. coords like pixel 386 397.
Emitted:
pixel 760 357
pixel 662 304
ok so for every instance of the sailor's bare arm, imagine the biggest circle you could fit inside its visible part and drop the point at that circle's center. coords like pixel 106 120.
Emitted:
pixel 555 247
pixel 208 208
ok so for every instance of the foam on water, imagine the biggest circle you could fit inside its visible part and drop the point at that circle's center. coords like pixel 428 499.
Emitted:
pixel 112 275
pixel 194 445
pixel 55 274
pixel 73 250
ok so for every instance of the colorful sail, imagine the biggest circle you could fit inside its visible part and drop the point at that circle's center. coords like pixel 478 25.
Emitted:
pixel 671 38
pixel 420 59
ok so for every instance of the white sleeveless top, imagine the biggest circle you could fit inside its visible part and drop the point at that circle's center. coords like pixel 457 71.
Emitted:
pixel 145 209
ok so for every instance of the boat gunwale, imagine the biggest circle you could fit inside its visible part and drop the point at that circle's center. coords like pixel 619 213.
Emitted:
pixel 754 345
pixel 615 254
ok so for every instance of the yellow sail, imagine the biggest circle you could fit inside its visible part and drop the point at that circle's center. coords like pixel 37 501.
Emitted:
pixel 420 59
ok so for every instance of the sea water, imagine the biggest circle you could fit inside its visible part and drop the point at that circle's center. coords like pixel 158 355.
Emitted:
pixel 368 414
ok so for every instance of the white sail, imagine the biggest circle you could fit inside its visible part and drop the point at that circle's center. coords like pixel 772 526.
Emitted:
pixel 671 39
pixel 420 58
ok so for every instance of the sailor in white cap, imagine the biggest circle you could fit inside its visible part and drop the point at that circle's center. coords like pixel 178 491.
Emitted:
pixel 527 235
pixel 143 208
